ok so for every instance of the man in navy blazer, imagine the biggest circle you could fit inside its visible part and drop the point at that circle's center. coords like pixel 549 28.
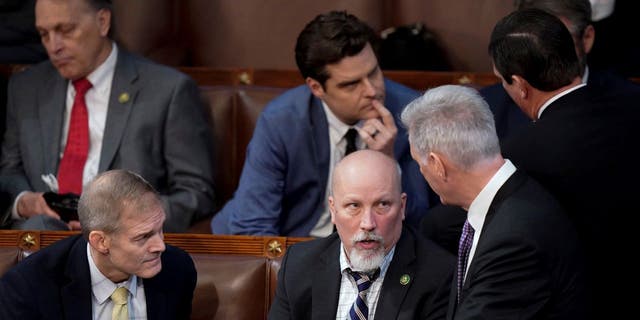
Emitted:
pixel 582 146
pixel 518 256
pixel 302 134
pixel 141 117
pixel 121 247
pixel 413 274
pixel 576 16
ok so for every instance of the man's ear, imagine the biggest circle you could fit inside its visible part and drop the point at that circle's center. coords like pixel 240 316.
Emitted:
pixel 522 86
pixel 332 209
pixel 437 165
pixel 104 21
pixel 315 87
pixel 588 38
pixel 99 241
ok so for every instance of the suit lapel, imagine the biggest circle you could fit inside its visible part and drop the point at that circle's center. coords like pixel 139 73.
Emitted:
pixel 123 94
pixel 511 185
pixel 51 109
pixel 76 294
pixel 393 293
pixel 320 139
pixel 326 283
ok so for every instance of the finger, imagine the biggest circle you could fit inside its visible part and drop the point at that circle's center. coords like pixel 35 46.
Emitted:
pixel 366 133
pixel 385 116
pixel 74 225
pixel 44 208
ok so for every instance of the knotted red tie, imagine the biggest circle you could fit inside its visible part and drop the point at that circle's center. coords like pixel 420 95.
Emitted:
pixel 77 148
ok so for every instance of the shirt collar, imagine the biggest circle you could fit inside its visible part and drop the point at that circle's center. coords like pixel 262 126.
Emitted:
pixel 480 205
pixel 558 96
pixel 585 76
pixel 102 287
pixel 336 125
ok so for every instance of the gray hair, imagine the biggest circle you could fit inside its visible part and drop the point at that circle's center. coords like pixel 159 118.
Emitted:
pixel 455 121
pixel 109 195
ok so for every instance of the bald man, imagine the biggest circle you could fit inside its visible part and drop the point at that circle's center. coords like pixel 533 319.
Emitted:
pixel 390 261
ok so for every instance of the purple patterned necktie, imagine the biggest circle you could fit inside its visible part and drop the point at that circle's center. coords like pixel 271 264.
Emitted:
pixel 464 248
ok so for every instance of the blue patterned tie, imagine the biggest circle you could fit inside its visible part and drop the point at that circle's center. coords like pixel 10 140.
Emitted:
pixel 359 310
pixel 464 248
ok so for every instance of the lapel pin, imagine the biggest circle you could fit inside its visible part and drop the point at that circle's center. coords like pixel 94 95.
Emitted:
pixel 123 98
pixel 405 279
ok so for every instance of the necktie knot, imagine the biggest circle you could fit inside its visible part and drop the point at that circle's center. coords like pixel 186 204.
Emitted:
pixel 82 85
pixel 120 295
pixel 359 310
pixel 350 136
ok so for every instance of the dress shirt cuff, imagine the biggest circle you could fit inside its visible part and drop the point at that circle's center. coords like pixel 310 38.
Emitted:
pixel 14 209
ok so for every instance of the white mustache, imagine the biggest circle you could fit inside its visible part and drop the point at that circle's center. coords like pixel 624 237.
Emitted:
pixel 366 236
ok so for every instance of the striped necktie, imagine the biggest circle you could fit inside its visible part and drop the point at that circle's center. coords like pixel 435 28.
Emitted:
pixel 359 310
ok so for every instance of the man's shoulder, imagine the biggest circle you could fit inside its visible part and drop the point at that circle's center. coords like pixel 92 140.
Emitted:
pixel 52 260
pixel 33 74
pixel 295 99
pixel 398 95
pixel 148 68
pixel 310 251
pixel 175 258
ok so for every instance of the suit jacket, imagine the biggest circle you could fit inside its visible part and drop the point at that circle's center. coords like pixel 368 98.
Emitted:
pixel 283 181
pixel 510 119
pixel 55 283
pixel 160 132
pixel 584 151
pixel 309 281
pixel 527 263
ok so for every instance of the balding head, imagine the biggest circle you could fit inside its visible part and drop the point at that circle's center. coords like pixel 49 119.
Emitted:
pixel 367 162
pixel 367 206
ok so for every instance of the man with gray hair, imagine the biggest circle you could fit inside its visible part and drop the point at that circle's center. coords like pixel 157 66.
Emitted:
pixel 119 268
pixel 373 266
pixel 518 254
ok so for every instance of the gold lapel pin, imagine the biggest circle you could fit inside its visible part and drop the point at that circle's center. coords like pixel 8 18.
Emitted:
pixel 123 98
pixel 405 279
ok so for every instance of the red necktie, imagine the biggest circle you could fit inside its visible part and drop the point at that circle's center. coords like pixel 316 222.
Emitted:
pixel 77 148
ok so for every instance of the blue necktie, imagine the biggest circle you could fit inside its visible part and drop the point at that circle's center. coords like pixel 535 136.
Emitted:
pixel 359 310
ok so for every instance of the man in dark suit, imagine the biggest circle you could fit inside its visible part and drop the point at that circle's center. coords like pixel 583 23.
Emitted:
pixel 576 15
pixel 582 146
pixel 121 250
pixel 374 265
pixel 301 135
pixel 138 116
pixel 518 256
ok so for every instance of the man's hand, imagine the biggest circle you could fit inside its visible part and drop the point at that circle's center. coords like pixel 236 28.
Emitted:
pixel 33 203
pixel 380 133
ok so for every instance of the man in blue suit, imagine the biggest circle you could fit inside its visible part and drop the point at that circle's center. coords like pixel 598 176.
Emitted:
pixel 121 250
pixel 345 105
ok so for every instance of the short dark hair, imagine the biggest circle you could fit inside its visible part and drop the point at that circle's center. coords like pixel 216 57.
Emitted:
pixel 537 46
pixel 327 39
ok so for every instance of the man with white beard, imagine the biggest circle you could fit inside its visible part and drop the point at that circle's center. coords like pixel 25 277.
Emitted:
pixel 373 267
